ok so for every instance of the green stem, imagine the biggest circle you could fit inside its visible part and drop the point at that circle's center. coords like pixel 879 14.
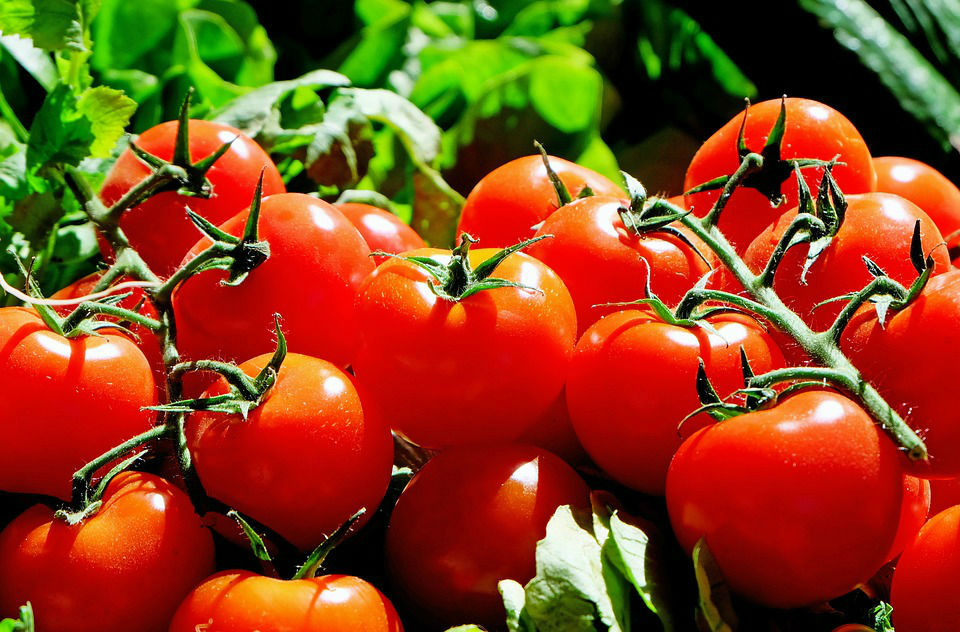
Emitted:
pixel 751 162
pixel 231 372
pixel 11 118
pixel 144 189
pixel 215 251
pixel 88 308
pixel 880 285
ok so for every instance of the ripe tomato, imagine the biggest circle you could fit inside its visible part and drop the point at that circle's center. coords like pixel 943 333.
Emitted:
pixel 771 492
pixel 877 225
pixel 554 433
pixel 317 261
pixel 632 381
pixel 145 339
pixel 602 261
pixel 159 227
pixel 944 493
pixel 906 359
pixel 486 367
pixel 471 517
pixel 382 230
pixel 252 465
pixel 924 595
pixel 913 513
pixel 241 601
pixel 924 186
pixel 507 204
pixel 125 568
pixel 65 401
pixel 813 130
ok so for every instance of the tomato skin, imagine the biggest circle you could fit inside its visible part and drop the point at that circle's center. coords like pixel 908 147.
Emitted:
pixel 125 568
pixel 877 225
pixel 82 397
pixel 924 186
pixel 159 227
pixel 601 261
pixel 485 368
pixel 506 205
pixel 813 130
pixel 632 381
pixel 906 358
pixel 944 493
pixel 240 601
pixel 382 230
pixel 770 491
pixel 317 261
pixel 471 517
pixel 252 465
pixel 924 591
pixel 554 433
pixel 913 513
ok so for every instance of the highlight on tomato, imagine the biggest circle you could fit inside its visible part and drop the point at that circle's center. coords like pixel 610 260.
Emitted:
pixel 924 186
pixel 382 230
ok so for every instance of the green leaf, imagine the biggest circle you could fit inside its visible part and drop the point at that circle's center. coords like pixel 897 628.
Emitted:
pixel 715 609
pixel 34 60
pixel 126 31
pixel 418 133
pixel 641 562
pixel 108 111
pixel 514 600
pixel 379 47
pixel 60 132
pixel 51 24
pixel 881 616
pixel 23 624
pixel 920 88
pixel 466 628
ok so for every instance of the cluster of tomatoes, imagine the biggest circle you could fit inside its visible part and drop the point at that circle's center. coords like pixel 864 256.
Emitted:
pixel 514 362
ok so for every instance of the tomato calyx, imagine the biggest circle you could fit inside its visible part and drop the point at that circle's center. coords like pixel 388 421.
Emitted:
pixel 773 171
pixel 458 279
pixel 564 196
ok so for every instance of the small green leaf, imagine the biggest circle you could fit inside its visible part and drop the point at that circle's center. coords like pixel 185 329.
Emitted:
pixel 715 607
pixel 60 133
pixel 256 542
pixel 881 616
pixel 108 111
pixel 25 623
pixel 641 562
pixel 514 600
pixel 51 24
pixel 466 628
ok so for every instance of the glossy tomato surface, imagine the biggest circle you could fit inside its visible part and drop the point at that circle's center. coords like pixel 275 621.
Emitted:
pixel 125 568
pixel 241 601
pixel 507 204
pixel 382 230
pixel 877 225
pixel 65 401
pixel 944 493
pixel 924 595
pixel 601 261
pixel 159 227
pixel 913 513
pixel 304 461
pixel 471 517
pixel 813 130
pixel 771 494
pixel 906 359
pixel 633 380
pixel 484 368
pixel 317 261
pixel 924 186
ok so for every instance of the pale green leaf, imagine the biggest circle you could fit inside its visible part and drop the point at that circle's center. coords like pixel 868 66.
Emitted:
pixel 108 111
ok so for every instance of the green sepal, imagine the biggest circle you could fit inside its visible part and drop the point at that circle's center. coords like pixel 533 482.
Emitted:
pixel 563 193
pixel 315 560
pixel 23 623
pixel 256 542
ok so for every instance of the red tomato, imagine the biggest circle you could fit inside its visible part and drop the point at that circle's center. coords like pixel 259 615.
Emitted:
pixel 924 592
pixel 317 261
pixel 913 513
pixel 944 493
pixel 507 204
pixel 924 186
pixel 877 225
pixel 602 261
pixel 125 568
pixel 632 381
pixel 485 368
pixel 241 601
pixel 148 342
pixel 554 433
pixel 65 402
pixel 159 227
pixel 471 517
pixel 813 130
pixel 315 410
pixel 771 492
pixel 906 359
pixel 382 230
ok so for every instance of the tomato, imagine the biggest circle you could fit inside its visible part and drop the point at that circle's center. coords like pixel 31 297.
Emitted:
pixel 554 433
pixel 924 592
pixel 241 601
pixel 944 493
pixel 913 513
pixel 483 368
pixel 65 401
pixel 924 186
pixel 159 227
pixel 382 230
pixel 125 568
pixel 771 492
pixel 317 261
pixel 507 204
pixel 146 340
pixel 258 467
pixel 602 261
pixel 633 378
pixel 906 359
pixel 877 225
pixel 471 517
pixel 813 130
pixel 853 627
